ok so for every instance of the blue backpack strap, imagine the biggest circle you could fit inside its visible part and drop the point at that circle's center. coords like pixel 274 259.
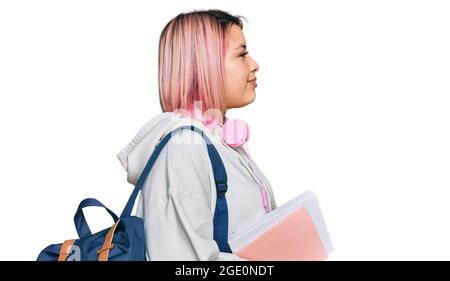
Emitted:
pixel 80 221
pixel 220 179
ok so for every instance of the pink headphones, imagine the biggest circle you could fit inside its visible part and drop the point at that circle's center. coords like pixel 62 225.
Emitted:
pixel 235 132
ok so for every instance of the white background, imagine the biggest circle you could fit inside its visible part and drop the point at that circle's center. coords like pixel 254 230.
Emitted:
pixel 352 103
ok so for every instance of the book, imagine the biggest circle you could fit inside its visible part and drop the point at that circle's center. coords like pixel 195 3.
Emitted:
pixel 294 231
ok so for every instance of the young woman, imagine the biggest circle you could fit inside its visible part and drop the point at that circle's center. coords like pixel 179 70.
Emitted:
pixel 204 69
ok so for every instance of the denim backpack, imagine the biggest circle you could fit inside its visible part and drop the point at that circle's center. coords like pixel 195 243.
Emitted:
pixel 125 240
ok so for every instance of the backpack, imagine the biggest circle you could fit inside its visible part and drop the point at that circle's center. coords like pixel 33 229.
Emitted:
pixel 125 240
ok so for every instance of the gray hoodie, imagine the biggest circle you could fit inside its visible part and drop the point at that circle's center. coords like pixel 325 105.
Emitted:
pixel 178 199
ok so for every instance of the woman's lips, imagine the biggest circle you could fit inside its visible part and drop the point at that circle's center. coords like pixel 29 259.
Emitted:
pixel 253 82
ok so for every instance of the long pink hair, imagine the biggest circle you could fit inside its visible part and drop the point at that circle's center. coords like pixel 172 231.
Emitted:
pixel 192 50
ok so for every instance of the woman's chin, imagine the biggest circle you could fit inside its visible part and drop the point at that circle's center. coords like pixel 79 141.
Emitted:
pixel 252 95
pixel 246 99
pixel 250 98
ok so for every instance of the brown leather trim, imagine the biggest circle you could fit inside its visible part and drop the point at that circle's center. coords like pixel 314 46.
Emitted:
pixel 65 249
pixel 107 244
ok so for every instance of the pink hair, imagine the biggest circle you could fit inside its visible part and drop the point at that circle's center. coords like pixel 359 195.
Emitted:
pixel 192 50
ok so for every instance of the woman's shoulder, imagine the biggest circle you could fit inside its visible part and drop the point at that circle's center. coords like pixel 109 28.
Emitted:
pixel 185 144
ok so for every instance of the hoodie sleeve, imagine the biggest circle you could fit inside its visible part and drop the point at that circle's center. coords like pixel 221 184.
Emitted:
pixel 177 203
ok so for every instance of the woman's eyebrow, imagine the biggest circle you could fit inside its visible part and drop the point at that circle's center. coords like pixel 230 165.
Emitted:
pixel 241 46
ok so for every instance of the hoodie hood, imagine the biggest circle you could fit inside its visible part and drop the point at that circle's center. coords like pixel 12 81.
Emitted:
pixel 135 155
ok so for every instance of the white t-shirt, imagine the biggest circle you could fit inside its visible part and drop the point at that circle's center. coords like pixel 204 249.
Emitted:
pixel 178 199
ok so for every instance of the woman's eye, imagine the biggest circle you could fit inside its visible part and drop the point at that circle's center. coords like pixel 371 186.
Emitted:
pixel 243 54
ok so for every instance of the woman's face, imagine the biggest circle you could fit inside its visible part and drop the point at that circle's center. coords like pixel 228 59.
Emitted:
pixel 240 69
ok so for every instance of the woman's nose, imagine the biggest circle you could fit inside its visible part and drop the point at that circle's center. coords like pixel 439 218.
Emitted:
pixel 254 67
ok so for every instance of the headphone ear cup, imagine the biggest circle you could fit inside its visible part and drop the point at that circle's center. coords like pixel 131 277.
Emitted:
pixel 235 132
